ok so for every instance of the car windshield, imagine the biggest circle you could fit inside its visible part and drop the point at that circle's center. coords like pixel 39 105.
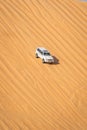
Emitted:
pixel 47 54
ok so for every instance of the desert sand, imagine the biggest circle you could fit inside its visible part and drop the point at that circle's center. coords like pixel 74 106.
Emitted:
pixel 37 96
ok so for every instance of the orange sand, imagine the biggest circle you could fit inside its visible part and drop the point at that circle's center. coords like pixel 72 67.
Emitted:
pixel 37 96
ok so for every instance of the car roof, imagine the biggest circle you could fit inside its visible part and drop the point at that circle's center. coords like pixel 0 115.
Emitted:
pixel 42 49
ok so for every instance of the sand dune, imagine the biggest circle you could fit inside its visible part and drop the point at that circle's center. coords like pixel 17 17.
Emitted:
pixel 36 96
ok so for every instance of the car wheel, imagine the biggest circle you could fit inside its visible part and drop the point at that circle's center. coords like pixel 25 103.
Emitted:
pixel 36 55
pixel 43 60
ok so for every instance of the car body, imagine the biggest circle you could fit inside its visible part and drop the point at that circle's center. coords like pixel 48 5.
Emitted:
pixel 44 54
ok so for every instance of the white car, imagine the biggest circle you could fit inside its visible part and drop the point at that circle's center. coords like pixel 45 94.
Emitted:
pixel 44 55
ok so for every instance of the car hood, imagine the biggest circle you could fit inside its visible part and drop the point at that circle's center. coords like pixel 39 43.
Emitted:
pixel 48 57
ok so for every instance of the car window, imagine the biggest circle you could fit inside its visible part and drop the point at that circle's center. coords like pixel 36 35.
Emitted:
pixel 40 51
pixel 46 53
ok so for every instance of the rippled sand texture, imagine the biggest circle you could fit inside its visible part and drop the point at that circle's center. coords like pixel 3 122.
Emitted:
pixel 36 96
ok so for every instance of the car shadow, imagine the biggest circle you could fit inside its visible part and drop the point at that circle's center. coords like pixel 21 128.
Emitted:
pixel 56 61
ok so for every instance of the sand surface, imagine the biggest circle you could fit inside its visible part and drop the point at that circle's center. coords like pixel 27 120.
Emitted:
pixel 37 96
